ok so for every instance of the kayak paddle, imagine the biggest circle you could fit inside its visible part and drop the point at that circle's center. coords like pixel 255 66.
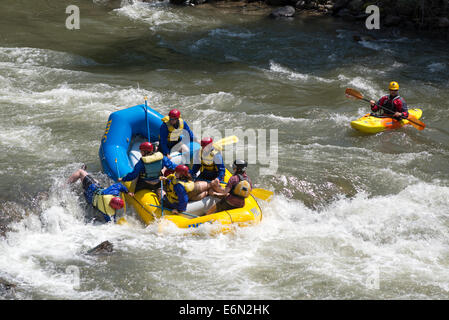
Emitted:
pixel 411 118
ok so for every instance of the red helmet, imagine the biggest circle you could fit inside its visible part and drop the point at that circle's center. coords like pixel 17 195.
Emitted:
pixel 146 146
pixel 175 113
pixel 206 141
pixel 182 169
pixel 116 203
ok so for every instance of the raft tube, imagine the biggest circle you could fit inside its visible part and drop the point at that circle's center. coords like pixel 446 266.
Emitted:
pixel 372 124
pixel 123 129
pixel 119 152
pixel 147 205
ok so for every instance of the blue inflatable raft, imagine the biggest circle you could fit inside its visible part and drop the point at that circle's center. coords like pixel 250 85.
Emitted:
pixel 125 130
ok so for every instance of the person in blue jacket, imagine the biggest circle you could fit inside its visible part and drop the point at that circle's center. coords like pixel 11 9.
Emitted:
pixel 177 187
pixel 209 162
pixel 171 129
pixel 148 168
pixel 105 200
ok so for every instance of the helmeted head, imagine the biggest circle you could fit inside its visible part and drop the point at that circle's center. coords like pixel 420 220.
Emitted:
pixel 393 87
pixel 146 147
pixel 206 141
pixel 116 203
pixel 239 165
pixel 174 116
pixel 182 171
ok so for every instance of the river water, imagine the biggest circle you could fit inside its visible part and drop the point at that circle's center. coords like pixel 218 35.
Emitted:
pixel 354 216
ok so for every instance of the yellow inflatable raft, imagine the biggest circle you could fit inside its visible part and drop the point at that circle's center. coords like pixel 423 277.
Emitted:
pixel 147 205
pixel 373 124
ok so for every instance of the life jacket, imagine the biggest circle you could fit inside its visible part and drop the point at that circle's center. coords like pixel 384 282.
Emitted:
pixel 153 166
pixel 174 134
pixel 241 189
pixel 101 202
pixel 388 103
pixel 170 191
pixel 207 161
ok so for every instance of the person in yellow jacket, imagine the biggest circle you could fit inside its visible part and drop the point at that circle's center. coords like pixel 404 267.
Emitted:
pixel 171 130
pixel 177 187
pixel 107 201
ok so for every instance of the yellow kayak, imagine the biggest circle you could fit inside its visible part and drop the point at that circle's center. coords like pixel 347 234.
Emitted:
pixel 372 124
pixel 147 205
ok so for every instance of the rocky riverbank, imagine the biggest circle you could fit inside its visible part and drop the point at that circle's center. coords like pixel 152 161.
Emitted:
pixel 428 16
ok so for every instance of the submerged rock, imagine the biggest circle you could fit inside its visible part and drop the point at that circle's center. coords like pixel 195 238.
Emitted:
pixel 103 248
pixel 283 12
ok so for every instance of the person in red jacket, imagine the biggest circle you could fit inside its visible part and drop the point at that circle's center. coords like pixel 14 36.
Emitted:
pixel 393 104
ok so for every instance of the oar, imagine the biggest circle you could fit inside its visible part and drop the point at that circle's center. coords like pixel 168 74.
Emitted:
pixel 116 163
pixel 262 194
pixel 186 213
pixel 162 198
pixel 225 141
pixel 412 119
pixel 146 122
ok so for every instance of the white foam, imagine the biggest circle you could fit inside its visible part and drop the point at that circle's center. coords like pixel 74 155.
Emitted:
pixel 160 16
pixel 436 67
pixel 397 234
pixel 292 75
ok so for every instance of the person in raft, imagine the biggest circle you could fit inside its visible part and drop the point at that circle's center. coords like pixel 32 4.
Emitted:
pixel 209 162
pixel 237 189
pixel 171 131
pixel 148 168
pixel 393 102
pixel 107 201
pixel 212 171
pixel 176 187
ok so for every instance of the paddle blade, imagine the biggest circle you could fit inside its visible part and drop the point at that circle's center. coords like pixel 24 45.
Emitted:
pixel 262 194
pixel 122 221
pixel 418 124
pixel 225 141
pixel 352 93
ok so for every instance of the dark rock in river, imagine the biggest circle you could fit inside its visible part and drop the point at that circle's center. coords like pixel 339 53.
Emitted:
pixel 103 248
pixel 283 12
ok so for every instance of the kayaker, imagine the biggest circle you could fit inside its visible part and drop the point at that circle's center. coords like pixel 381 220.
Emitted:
pixel 237 189
pixel 176 187
pixel 148 168
pixel 393 102
pixel 107 201
pixel 171 131
pixel 209 162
